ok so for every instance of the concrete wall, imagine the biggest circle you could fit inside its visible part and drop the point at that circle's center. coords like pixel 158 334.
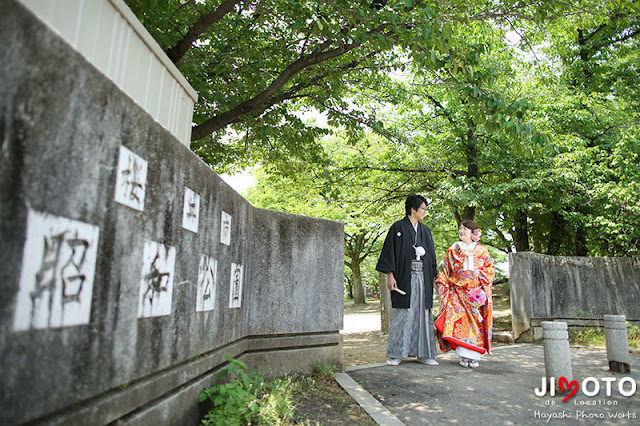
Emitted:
pixel 579 290
pixel 118 275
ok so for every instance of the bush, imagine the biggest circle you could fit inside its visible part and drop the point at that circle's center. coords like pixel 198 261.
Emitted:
pixel 634 335
pixel 248 399
pixel 322 370
pixel 587 336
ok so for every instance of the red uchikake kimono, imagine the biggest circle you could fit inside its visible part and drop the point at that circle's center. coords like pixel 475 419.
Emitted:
pixel 459 322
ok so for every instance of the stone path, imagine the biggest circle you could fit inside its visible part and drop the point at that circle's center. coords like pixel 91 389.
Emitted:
pixel 502 391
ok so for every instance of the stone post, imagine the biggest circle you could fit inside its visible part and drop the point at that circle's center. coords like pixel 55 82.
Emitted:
pixel 557 358
pixel 615 332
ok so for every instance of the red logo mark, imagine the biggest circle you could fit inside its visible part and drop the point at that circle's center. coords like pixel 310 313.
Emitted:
pixel 565 385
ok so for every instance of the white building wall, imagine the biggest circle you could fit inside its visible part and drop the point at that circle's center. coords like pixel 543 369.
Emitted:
pixel 109 35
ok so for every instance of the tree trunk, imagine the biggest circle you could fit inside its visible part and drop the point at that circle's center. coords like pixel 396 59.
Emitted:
pixel 522 232
pixel 581 242
pixel 356 282
pixel 468 213
pixel 349 289
pixel 385 304
pixel 557 231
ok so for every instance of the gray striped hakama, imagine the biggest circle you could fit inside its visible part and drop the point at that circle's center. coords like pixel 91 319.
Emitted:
pixel 411 331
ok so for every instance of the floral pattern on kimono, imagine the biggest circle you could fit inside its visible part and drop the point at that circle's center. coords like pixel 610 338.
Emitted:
pixel 460 323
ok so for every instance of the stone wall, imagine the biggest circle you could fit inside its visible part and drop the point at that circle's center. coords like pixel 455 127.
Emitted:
pixel 130 270
pixel 579 290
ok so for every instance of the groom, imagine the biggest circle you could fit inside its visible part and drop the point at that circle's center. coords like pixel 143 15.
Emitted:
pixel 409 260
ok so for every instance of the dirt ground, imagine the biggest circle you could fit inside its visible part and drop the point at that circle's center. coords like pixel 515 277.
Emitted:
pixel 323 402
pixel 363 342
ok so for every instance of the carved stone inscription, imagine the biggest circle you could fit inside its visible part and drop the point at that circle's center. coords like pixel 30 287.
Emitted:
pixel 57 272
pixel 156 281
pixel 225 228
pixel 191 211
pixel 131 179
pixel 235 288
pixel 206 291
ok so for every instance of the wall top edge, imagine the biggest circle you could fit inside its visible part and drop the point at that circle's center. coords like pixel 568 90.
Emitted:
pixel 144 35
pixel 531 254
pixel 293 215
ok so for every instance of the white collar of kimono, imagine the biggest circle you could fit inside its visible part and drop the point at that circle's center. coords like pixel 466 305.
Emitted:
pixel 420 251
pixel 468 249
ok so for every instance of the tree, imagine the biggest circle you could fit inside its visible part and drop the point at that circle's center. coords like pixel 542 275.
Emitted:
pixel 465 136
pixel 588 97
pixel 307 192
pixel 256 64
pixel 458 136
pixel 358 246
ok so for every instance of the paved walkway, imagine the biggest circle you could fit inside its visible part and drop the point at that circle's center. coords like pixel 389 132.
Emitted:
pixel 500 392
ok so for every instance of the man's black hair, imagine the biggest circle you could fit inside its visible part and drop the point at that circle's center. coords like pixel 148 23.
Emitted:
pixel 414 202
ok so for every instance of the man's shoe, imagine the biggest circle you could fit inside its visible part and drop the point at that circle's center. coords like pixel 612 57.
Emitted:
pixel 393 361
pixel 428 361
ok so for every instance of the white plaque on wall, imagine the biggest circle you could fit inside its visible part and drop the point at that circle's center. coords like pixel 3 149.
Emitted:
pixel 156 280
pixel 57 272
pixel 131 179
pixel 206 291
pixel 225 228
pixel 191 211
pixel 235 288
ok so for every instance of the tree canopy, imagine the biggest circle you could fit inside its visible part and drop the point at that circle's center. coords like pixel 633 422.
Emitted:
pixel 257 64
pixel 523 116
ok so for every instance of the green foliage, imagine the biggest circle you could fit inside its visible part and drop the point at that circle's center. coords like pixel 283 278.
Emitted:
pixel 590 336
pixel 634 335
pixel 595 336
pixel 258 65
pixel 541 161
pixel 322 369
pixel 588 99
pixel 248 398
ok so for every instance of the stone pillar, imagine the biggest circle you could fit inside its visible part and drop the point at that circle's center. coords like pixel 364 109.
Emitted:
pixel 557 357
pixel 615 332
pixel 521 296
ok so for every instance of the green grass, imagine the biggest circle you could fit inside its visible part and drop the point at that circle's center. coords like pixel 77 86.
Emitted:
pixel 293 399
pixel 634 336
pixel 248 399
pixel 586 336
pixel 502 323
pixel 321 369
pixel 595 336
